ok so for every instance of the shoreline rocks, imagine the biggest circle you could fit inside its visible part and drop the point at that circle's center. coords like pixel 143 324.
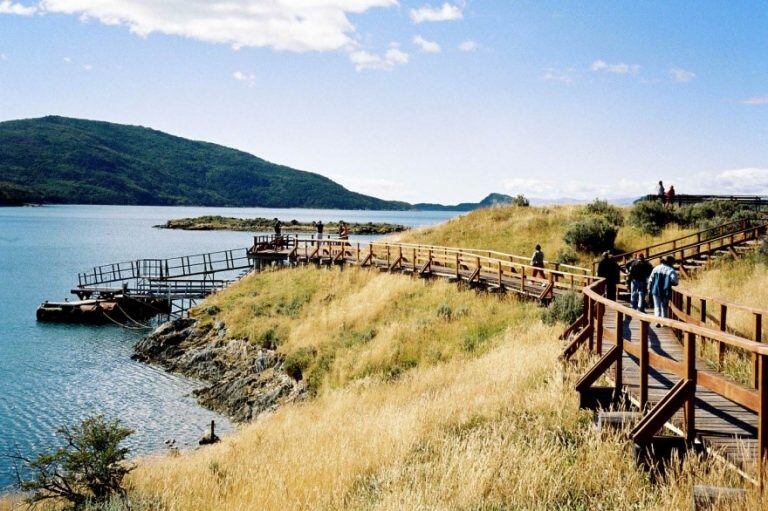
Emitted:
pixel 242 380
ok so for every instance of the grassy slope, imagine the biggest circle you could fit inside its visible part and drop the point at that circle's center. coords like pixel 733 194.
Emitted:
pixel 517 230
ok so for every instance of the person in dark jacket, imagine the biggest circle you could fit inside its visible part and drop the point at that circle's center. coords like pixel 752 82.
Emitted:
pixel 537 261
pixel 609 269
pixel 278 225
pixel 639 270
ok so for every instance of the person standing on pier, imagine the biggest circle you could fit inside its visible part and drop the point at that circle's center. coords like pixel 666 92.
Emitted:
pixel 671 196
pixel 609 269
pixel 537 261
pixel 660 193
pixel 639 270
pixel 319 226
pixel 660 283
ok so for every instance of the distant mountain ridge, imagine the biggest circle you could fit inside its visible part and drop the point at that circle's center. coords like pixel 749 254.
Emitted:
pixel 61 160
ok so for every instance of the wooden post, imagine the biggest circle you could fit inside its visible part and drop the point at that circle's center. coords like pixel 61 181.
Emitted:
pixel 643 365
pixel 501 273
pixel 758 338
pixel 723 326
pixel 599 328
pixel 620 346
pixel 457 264
pixel 703 311
pixel 688 305
pixel 689 361
pixel 590 310
pixel 762 417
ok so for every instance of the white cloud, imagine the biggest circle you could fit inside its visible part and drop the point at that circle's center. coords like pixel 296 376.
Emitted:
pixel 619 68
pixel 681 75
pixel 87 67
pixel 3 56
pixel 566 75
pixel 68 60
pixel 248 78
pixel 379 187
pixel 294 25
pixel 468 45
pixel 448 12
pixel 9 7
pixel 392 57
pixel 426 46
pixel 744 181
pixel 757 100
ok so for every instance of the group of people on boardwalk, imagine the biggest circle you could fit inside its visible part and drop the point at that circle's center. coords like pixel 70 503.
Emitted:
pixel 643 278
pixel 343 230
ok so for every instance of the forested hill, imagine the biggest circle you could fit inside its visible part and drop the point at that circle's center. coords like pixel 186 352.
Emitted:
pixel 63 160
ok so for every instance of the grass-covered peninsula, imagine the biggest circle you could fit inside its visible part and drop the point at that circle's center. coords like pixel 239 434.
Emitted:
pixel 223 223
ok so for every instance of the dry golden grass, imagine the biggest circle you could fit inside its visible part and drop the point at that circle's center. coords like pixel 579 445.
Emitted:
pixel 498 431
pixel 517 230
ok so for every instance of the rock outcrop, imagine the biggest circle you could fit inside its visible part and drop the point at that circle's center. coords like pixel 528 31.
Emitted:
pixel 243 380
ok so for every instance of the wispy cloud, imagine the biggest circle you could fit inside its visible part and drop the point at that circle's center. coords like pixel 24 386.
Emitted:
pixel 394 56
pixel 756 100
pixel 425 45
pixel 68 60
pixel 618 68
pixel 248 79
pixel 566 75
pixel 681 75
pixel 3 56
pixel 9 7
pixel 317 25
pixel 447 12
pixel 380 187
pixel 87 67
pixel 468 45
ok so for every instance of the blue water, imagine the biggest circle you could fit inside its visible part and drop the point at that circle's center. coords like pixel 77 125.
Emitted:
pixel 51 375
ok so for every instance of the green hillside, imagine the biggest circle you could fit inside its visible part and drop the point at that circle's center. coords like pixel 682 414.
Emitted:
pixel 63 160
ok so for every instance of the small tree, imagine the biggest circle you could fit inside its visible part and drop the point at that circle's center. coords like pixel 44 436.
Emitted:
pixel 521 201
pixel 89 468
pixel 566 308
pixel 602 208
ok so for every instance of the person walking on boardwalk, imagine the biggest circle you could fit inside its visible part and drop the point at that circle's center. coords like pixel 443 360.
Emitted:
pixel 639 270
pixel 537 261
pixel 609 269
pixel 660 283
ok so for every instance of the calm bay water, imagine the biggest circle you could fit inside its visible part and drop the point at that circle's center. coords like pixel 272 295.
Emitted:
pixel 52 375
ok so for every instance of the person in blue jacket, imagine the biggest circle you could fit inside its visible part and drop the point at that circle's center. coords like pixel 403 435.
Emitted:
pixel 660 283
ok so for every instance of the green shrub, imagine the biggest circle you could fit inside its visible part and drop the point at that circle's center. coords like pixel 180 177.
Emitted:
pixel 566 256
pixel 521 201
pixel 593 235
pixel 297 362
pixel 651 216
pixel 602 208
pixel 445 311
pixel 565 308
pixel 88 470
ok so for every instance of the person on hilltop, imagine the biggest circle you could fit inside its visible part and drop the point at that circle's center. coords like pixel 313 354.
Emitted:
pixel 537 261
pixel 609 270
pixel 660 191
pixel 660 284
pixel 671 196
pixel 638 271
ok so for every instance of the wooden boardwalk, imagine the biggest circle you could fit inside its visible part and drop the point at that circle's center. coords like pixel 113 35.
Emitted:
pixel 722 426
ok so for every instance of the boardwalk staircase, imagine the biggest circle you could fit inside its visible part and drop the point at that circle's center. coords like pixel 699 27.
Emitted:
pixel 657 364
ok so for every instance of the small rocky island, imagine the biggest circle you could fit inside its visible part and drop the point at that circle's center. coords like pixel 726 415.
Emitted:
pixel 224 223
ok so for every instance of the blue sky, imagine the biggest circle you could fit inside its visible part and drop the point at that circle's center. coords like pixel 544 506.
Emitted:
pixel 406 99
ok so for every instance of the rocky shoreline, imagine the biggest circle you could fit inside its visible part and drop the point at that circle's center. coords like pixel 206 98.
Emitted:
pixel 222 223
pixel 242 380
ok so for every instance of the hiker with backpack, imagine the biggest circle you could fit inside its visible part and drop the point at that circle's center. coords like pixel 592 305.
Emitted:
pixel 537 261
pixel 609 269
pixel 638 271
pixel 662 279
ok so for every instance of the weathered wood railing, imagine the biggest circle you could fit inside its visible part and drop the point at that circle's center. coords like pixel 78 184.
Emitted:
pixel 503 271
pixel 702 243
pixel 595 335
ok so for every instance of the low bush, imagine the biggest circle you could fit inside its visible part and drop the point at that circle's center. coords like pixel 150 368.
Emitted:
pixel 566 256
pixel 593 235
pixel 88 470
pixel 651 217
pixel 609 212
pixel 520 201
pixel 297 362
pixel 564 308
